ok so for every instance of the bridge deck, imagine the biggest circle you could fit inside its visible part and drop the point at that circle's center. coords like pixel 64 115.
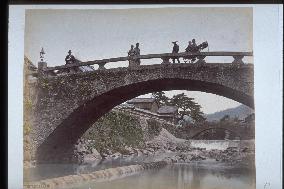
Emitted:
pixel 149 56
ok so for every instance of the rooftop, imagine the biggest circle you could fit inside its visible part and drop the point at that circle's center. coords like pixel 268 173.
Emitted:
pixel 141 100
pixel 167 110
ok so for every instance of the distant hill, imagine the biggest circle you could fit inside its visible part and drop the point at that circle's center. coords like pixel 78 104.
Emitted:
pixel 240 111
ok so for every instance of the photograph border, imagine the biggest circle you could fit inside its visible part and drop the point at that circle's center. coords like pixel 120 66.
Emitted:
pixel 268 69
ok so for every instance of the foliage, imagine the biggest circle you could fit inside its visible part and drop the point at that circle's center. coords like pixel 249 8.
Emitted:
pixel 186 105
pixel 161 98
pixel 154 128
pixel 115 130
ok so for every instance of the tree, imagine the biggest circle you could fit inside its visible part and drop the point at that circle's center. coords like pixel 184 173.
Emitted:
pixel 196 114
pixel 161 98
pixel 188 107
pixel 185 104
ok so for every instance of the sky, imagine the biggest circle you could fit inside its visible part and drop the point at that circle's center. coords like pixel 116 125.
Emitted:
pixel 106 33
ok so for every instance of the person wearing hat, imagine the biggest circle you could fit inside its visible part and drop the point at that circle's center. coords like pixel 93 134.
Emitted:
pixel 194 46
pixel 131 51
pixel 70 59
pixel 137 53
pixel 189 47
pixel 175 50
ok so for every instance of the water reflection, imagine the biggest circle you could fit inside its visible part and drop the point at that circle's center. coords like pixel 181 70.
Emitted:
pixel 44 171
pixel 184 176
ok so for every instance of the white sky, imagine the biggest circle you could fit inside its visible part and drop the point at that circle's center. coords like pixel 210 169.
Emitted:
pixel 98 33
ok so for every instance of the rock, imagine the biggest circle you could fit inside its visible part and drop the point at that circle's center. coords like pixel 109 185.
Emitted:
pixel 172 148
pixel 81 148
pixel 89 158
pixel 104 155
pixel 116 155
pixel 108 152
pixel 95 152
pixel 232 149
pixel 145 152
pixel 138 152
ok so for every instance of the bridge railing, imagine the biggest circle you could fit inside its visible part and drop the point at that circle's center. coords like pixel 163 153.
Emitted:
pixel 134 61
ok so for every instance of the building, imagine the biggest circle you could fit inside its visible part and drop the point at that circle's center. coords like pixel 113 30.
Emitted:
pixel 168 113
pixel 149 104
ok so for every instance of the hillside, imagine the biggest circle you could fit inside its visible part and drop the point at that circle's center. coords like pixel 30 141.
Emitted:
pixel 241 111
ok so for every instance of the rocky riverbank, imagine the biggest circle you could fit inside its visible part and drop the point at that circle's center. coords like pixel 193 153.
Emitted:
pixel 166 147
pixel 163 148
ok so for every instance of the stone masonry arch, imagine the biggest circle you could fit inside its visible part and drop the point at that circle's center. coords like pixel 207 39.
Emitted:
pixel 67 105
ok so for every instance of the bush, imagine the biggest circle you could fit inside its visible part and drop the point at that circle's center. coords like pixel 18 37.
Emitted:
pixel 115 130
pixel 154 128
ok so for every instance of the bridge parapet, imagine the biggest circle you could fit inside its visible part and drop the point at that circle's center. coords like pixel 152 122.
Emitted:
pixel 238 56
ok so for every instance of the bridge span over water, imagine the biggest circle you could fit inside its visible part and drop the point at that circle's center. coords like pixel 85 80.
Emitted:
pixel 68 104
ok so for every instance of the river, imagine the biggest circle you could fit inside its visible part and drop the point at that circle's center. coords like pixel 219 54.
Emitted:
pixel 207 174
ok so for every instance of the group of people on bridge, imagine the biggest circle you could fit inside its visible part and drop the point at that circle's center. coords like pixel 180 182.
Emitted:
pixel 191 48
pixel 135 51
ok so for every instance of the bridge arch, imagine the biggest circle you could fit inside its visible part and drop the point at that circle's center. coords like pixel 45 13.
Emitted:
pixel 58 145
pixel 195 135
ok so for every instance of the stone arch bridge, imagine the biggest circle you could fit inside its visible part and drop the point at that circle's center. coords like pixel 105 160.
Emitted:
pixel 67 105
pixel 240 132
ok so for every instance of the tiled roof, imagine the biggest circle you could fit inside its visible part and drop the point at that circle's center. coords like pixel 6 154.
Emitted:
pixel 167 109
pixel 141 100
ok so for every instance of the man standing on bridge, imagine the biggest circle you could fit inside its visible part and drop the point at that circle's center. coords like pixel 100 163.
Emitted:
pixel 189 47
pixel 137 53
pixel 175 50
pixel 131 51
pixel 194 46
pixel 70 59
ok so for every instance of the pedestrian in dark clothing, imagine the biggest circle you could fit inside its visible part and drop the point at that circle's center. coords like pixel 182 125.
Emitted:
pixel 70 59
pixel 175 50
pixel 137 52
pixel 189 47
pixel 194 46
pixel 131 51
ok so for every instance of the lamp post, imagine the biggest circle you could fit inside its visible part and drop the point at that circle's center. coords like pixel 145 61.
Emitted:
pixel 41 64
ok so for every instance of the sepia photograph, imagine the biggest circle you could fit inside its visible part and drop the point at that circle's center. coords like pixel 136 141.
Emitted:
pixel 139 98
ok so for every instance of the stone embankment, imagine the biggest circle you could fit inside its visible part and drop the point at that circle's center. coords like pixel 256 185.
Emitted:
pixel 97 176
pixel 232 156
pixel 178 150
